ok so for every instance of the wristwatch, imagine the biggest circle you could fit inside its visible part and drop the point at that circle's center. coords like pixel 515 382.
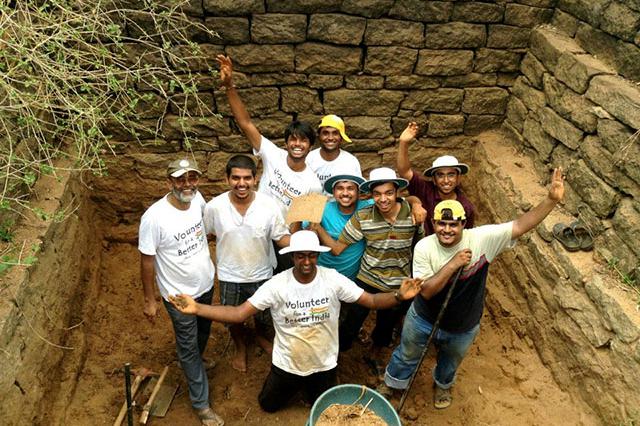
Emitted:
pixel 396 294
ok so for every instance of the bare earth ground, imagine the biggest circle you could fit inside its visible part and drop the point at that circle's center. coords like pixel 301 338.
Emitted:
pixel 501 382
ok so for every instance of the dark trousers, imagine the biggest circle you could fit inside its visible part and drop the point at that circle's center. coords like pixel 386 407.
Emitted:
pixel 280 387
pixel 386 320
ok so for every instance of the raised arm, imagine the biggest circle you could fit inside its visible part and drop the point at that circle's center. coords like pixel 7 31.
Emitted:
pixel 434 284
pixel 403 163
pixel 229 314
pixel 238 109
pixel 533 217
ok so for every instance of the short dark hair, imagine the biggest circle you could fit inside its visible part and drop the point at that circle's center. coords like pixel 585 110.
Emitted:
pixel 241 161
pixel 300 129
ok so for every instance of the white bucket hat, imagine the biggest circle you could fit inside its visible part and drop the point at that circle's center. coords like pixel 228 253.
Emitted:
pixel 382 175
pixel 304 241
pixel 446 161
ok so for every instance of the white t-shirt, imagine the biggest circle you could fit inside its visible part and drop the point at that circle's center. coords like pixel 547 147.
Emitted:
pixel 345 164
pixel 465 307
pixel 278 180
pixel 243 243
pixel 178 241
pixel 485 243
pixel 305 317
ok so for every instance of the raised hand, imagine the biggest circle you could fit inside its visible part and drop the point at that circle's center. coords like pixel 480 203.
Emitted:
pixel 556 191
pixel 226 70
pixel 409 133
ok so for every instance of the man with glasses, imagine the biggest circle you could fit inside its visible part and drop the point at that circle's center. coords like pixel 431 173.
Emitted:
pixel 174 252
pixel 442 181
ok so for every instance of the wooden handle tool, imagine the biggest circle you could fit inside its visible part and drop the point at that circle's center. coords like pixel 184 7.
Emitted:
pixel 147 407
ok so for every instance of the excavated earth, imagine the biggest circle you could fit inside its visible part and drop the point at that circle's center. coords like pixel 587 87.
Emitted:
pixel 503 380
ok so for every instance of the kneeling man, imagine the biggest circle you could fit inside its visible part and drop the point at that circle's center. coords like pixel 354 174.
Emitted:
pixel 305 306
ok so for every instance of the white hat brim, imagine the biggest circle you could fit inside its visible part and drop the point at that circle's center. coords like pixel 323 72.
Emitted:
pixel 315 248
pixel 464 168
pixel 399 182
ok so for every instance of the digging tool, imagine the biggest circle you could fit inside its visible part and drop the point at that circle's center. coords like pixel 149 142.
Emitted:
pixel 141 374
pixel 147 407
pixel 434 330
pixel 127 387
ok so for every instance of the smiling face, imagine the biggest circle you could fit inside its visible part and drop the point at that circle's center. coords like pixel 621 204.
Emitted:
pixel 185 187
pixel 330 138
pixel 446 180
pixel 298 146
pixel 304 265
pixel 448 232
pixel 384 195
pixel 241 183
pixel 345 193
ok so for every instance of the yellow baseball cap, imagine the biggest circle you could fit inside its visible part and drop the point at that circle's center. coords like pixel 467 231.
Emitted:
pixel 449 210
pixel 335 122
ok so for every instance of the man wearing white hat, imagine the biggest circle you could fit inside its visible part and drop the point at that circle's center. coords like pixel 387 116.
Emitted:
pixel 305 305
pixel 442 183
pixel 330 160
pixel 174 252
pixel 389 232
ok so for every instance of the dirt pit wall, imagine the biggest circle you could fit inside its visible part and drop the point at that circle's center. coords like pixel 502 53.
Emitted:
pixel 44 303
pixel 556 325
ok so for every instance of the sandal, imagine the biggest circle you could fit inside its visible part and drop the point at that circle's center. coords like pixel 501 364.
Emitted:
pixel 582 234
pixel 209 418
pixel 441 398
pixel 566 236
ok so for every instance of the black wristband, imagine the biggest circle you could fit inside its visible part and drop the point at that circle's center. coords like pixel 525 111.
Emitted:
pixel 396 294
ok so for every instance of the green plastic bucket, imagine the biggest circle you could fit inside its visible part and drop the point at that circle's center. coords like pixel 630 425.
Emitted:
pixel 348 394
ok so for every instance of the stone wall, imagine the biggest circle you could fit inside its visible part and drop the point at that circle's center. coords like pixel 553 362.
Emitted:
pixel 376 63
pixel 571 109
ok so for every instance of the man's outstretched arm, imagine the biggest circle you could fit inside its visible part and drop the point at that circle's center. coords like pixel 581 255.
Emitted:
pixel 229 314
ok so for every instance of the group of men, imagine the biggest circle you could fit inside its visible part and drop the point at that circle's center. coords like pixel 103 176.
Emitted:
pixel 371 247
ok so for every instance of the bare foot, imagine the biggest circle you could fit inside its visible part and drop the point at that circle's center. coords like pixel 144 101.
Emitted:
pixel 239 361
pixel 265 344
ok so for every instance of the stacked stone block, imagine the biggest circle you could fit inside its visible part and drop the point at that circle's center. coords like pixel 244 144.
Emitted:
pixel 572 109
pixel 446 64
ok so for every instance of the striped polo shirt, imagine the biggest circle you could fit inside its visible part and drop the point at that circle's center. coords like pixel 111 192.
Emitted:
pixel 387 254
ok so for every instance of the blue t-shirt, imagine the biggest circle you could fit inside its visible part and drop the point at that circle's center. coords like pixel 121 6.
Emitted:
pixel 333 221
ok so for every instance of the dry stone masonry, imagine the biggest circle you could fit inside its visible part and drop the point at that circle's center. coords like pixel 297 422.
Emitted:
pixel 559 77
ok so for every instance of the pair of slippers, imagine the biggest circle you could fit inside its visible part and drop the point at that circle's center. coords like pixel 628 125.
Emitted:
pixel 573 237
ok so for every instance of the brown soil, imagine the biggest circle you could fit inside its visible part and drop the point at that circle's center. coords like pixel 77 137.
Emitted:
pixel 502 381
pixel 349 415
